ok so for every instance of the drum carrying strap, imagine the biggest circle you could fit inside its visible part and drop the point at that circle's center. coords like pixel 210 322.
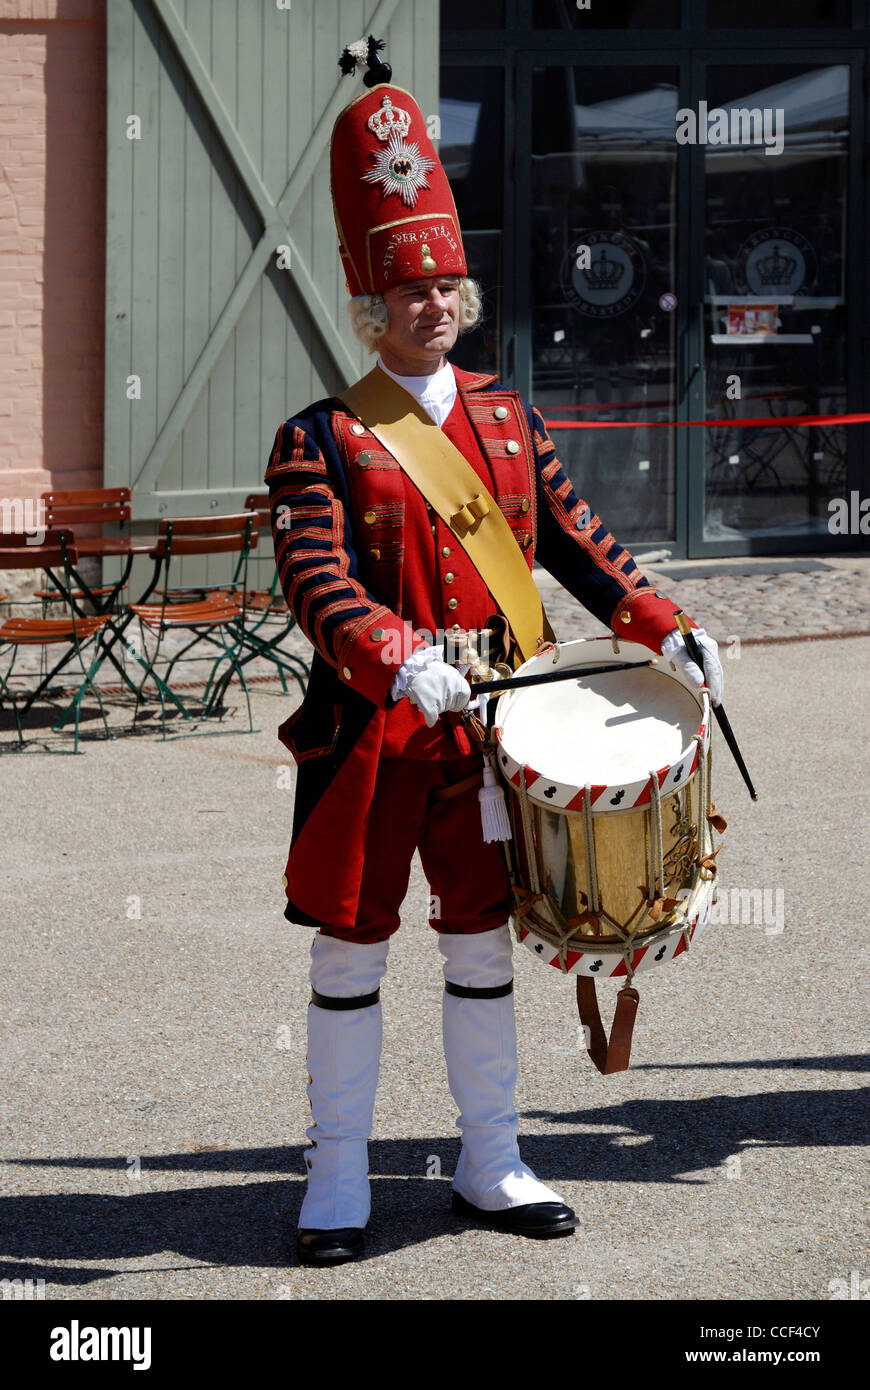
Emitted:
pixel 613 1055
pixel 450 484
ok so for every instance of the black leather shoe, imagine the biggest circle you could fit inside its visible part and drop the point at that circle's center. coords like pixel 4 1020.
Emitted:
pixel 329 1247
pixel 541 1220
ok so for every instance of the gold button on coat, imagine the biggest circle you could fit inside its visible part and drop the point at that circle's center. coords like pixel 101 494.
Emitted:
pixel 358 429
pixel 445 551
pixel 626 617
pixel 375 554
pixel 453 603
pixel 512 446
pixel 500 413
pixel 377 634
pixel 370 517
pixel 449 578
pixel 345 671
pixel 526 505
pixel 364 460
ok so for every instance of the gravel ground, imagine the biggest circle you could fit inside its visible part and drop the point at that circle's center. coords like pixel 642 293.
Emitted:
pixel 153 1014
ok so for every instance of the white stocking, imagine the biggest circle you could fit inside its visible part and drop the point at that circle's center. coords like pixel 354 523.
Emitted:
pixel 480 1048
pixel 344 1048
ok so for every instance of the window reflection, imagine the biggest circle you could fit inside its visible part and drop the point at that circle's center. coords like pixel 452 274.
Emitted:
pixel 472 14
pixel 603 284
pixel 471 112
pixel 775 304
pixel 773 14
pixel 608 14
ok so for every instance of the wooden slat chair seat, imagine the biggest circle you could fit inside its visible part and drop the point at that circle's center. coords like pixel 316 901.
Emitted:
pixel 57 550
pixel 217 619
pixel 43 631
pixel 203 613
pixel 55 596
pixel 262 601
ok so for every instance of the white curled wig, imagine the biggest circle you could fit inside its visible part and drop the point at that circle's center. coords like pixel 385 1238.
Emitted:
pixel 368 312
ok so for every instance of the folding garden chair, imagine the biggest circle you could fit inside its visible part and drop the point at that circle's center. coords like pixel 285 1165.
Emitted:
pixel 216 621
pixel 73 632
pixel 266 604
pixel 79 507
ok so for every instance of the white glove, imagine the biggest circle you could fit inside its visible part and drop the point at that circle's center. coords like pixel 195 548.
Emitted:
pixel 430 684
pixel 674 648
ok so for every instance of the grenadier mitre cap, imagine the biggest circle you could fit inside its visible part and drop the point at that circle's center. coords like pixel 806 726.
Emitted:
pixel 394 210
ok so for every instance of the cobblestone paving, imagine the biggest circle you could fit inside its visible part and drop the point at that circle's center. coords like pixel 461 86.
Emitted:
pixel 757 606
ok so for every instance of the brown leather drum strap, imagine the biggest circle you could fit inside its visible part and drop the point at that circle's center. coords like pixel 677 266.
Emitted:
pixel 613 1055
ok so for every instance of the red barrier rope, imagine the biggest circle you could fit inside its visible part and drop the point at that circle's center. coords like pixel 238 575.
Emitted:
pixel 737 422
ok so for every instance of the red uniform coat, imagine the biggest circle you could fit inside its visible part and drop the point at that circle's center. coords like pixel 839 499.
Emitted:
pixel 360 562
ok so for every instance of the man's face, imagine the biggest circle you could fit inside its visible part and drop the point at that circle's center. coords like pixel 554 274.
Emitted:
pixel 424 319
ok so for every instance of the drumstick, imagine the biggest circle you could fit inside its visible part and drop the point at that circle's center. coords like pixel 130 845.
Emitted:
pixel 721 717
pixel 572 673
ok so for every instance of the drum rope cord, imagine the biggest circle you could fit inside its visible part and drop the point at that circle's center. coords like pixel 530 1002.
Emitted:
pixel 589 849
pixel 659 868
pixel 705 832
pixel 531 855
pixel 703 808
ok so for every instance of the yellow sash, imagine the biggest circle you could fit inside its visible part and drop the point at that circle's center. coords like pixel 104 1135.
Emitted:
pixel 450 484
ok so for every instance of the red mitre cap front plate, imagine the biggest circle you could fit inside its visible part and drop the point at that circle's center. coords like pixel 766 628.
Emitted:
pixel 394 210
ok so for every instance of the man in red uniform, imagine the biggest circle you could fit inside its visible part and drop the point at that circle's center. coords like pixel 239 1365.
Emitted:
pixel 374 578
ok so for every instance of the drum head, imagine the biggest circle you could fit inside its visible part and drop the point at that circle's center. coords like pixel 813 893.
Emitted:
pixel 608 731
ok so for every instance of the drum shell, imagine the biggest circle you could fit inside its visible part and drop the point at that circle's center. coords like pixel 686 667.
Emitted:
pixel 623 865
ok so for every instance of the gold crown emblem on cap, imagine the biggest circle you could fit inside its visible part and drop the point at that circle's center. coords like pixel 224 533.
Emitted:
pixel 388 119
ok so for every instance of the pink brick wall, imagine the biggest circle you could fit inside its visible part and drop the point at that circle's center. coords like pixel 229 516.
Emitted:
pixel 52 244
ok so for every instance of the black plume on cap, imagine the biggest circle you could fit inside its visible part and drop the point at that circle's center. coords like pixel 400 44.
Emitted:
pixel 364 54
pixel 378 71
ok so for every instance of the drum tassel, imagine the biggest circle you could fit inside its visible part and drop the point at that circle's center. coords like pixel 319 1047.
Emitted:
pixel 493 808
pixel 494 818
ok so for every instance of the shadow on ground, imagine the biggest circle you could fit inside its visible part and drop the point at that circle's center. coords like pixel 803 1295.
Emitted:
pixel 251 1223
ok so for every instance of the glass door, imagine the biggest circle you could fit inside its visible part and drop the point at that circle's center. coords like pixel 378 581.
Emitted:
pixel 602 287
pixel 770 324
pixel 685 251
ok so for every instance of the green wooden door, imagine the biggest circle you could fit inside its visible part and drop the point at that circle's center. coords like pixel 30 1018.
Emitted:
pixel 225 300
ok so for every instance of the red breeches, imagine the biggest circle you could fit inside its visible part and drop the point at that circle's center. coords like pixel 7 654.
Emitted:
pixel 467 878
